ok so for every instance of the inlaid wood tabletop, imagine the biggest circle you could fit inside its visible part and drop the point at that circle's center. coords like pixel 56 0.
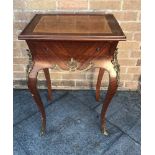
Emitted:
pixel 73 27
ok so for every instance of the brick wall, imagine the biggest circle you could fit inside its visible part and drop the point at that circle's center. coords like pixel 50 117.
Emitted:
pixel 127 13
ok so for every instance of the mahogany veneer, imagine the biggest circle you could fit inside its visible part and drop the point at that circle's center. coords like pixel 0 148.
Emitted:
pixel 73 42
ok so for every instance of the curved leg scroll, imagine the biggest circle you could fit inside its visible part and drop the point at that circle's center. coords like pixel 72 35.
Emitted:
pixel 48 80
pixel 32 85
pixel 98 85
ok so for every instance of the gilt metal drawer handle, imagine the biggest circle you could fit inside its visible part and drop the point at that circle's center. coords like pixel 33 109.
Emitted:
pixel 98 49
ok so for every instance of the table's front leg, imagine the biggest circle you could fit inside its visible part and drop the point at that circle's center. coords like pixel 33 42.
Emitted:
pixel 113 69
pixel 32 85
pixel 110 93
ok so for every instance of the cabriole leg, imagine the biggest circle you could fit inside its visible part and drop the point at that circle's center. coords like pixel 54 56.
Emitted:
pixel 113 70
pixel 32 85
pixel 110 93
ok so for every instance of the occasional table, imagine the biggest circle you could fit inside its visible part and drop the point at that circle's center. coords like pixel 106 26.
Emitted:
pixel 73 43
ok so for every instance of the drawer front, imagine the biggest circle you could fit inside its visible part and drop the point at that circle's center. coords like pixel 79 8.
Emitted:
pixel 64 53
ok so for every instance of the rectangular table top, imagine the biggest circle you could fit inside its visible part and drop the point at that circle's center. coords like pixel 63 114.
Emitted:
pixel 73 27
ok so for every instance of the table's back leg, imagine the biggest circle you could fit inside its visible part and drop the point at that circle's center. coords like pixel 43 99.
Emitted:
pixel 32 85
pixel 98 85
pixel 48 81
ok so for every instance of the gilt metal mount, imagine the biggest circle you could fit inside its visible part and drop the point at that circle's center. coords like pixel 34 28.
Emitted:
pixel 30 63
pixel 72 66
pixel 116 65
